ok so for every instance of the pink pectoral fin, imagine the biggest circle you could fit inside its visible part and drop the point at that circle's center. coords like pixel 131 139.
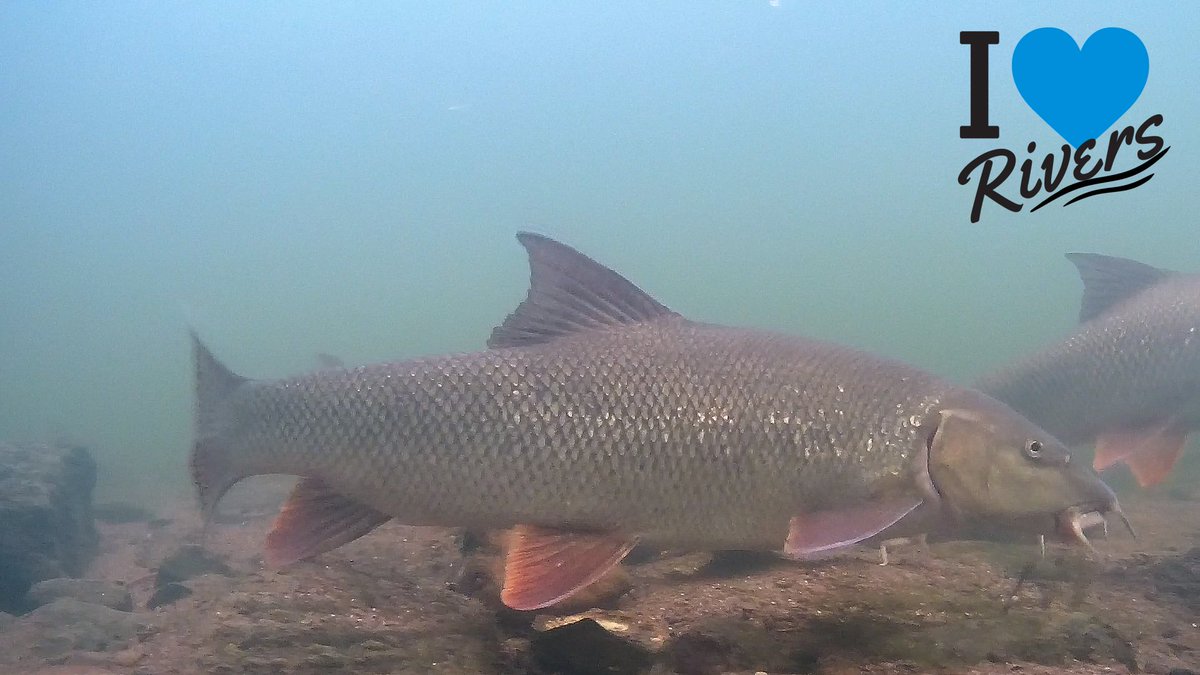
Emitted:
pixel 1150 453
pixel 819 531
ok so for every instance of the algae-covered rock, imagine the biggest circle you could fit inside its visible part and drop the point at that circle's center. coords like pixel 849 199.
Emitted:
pixel 1089 639
pixel 95 591
pixel 188 562
pixel 66 626
pixel 1179 576
pixel 185 563
pixel 46 524
pixel 168 593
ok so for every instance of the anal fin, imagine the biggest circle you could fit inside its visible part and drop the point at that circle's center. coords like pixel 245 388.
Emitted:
pixel 545 565
pixel 315 519
pixel 814 533
pixel 1150 453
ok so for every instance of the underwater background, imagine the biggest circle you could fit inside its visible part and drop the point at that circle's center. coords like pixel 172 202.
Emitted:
pixel 296 178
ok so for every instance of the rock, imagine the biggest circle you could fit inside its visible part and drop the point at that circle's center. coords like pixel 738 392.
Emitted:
pixel 188 562
pixel 5 619
pixel 167 594
pixel 1089 639
pixel 95 591
pixel 729 645
pixel 53 631
pixel 585 647
pixel 642 554
pixel 128 658
pixel 725 564
pixel 183 564
pixel 1179 576
pixel 46 524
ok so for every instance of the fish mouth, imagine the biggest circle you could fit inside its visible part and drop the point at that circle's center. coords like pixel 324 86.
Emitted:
pixel 1073 521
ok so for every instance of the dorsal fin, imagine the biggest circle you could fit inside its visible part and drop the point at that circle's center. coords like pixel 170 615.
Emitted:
pixel 569 292
pixel 1108 280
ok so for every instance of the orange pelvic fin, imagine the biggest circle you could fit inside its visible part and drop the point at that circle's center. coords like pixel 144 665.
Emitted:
pixel 545 565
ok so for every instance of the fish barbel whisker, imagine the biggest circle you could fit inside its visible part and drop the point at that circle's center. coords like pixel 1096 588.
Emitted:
pixel 1071 523
pixel 1125 520
pixel 1090 519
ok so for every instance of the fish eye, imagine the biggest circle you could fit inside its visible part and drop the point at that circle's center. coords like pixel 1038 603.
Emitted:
pixel 1033 449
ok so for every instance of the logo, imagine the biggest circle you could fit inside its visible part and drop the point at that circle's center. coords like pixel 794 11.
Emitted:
pixel 1080 93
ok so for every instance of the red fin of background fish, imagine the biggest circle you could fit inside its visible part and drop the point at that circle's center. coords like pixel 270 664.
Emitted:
pixel 1150 453
pixel 315 519
pixel 544 565
pixel 1152 468
pixel 568 293
pixel 1114 446
pixel 1154 460
pixel 821 531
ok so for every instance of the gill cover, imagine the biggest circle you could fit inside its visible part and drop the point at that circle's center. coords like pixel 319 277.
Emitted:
pixel 983 466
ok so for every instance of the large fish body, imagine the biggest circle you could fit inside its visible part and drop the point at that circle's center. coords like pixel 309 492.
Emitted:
pixel 597 417
pixel 1128 378
pixel 682 433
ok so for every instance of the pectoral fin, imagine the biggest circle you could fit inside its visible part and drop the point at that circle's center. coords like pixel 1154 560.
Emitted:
pixel 820 531
pixel 1150 453
pixel 315 519
pixel 544 565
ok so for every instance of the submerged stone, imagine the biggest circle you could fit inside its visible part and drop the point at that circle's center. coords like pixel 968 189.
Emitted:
pixel 1179 576
pixel 187 562
pixel 585 647
pixel 46 524
pixel 64 626
pixel 95 591
pixel 167 594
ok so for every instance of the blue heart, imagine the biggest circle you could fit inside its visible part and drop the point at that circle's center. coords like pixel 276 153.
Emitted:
pixel 1080 93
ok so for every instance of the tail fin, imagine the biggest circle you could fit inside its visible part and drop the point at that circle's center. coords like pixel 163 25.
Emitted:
pixel 212 470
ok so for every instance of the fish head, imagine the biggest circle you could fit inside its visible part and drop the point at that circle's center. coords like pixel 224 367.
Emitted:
pixel 992 467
